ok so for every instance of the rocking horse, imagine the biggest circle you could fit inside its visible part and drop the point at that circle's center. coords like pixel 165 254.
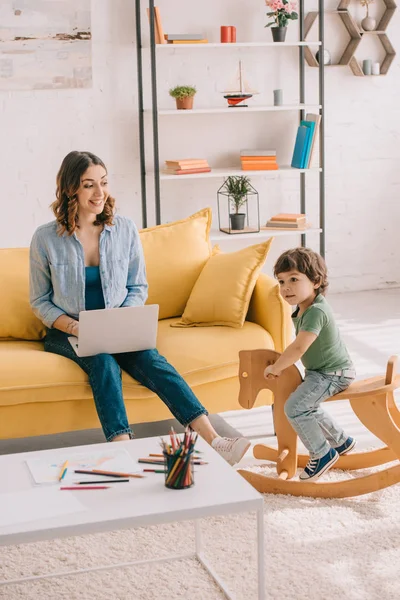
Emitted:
pixel 372 400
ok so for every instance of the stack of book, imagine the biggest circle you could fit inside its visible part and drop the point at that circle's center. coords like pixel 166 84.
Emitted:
pixel 288 221
pixel 305 142
pixel 258 160
pixel 187 166
pixel 186 38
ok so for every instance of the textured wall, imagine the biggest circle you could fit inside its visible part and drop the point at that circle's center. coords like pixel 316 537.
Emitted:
pixel 362 134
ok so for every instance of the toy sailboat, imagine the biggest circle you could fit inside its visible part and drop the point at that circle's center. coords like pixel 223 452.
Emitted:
pixel 242 91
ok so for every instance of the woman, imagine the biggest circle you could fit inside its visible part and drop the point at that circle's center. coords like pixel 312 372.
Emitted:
pixel 90 259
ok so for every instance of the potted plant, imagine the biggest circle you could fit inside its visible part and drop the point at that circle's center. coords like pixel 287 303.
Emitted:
pixel 282 11
pixel 237 186
pixel 183 95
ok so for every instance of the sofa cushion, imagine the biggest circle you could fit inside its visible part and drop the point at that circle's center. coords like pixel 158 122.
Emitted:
pixel 29 374
pixel 16 317
pixel 222 293
pixel 175 254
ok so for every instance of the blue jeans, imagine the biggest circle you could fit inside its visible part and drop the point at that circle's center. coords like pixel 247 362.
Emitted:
pixel 148 367
pixel 316 429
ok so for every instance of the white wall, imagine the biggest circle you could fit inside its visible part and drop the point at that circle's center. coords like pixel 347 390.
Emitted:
pixel 362 134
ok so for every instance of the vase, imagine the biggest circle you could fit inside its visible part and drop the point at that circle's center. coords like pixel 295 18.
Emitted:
pixel 278 34
pixel 368 24
pixel 237 221
pixel 184 103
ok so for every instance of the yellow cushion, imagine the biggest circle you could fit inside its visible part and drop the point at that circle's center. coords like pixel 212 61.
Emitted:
pixel 16 317
pixel 222 293
pixel 175 254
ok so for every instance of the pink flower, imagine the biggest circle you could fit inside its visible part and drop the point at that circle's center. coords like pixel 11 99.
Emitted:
pixel 274 5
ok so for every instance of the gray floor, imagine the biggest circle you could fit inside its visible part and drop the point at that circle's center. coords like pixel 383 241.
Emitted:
pixel 96 436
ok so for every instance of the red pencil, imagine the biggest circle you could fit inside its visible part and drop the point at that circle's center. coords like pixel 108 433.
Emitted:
pixel 86 487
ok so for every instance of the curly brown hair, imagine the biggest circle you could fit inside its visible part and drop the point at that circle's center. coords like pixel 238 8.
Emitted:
pixel 65 208
pixel 306 261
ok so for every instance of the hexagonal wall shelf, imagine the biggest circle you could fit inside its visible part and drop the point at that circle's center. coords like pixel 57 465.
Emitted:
pixel 356 36
pixel 351 26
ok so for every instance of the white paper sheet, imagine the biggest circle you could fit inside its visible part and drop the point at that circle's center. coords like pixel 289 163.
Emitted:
pixel 35 504
pixel 47 470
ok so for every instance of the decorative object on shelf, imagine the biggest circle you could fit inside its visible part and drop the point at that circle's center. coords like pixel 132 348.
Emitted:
pixel 367 66
pixel 356 36
pixel 239 91
pixel 158 29
pixel 368 23
pixel 278 97
pixel 237 189
pixel 282 11
pixel 258 160
pixel 226 34
pixel 327 57
pixel 287 221
pixel 183 95
pixel 233 34
pixel 185 38
pixel 376 68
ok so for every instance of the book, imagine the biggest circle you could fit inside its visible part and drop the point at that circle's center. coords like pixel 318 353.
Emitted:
pixel 252 167
pixel 300 147
pixel 289 217
pixel 184 36
pixel 258 153
pixel 258 158
pixel 317 120
pixel 187 171
pixel 311 125
pixel 203 41
pixel 187 167
pixel 285 224
pixel 186 161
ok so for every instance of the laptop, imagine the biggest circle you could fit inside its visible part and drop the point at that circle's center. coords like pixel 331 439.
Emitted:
pixel 115 330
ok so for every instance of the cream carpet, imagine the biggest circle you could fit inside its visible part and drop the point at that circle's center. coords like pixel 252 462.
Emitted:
pixel 315 550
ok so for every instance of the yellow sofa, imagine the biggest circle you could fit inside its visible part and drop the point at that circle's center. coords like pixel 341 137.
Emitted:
pixel 43 393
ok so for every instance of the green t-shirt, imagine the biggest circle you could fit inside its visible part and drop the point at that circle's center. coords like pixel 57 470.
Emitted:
pixel 328 352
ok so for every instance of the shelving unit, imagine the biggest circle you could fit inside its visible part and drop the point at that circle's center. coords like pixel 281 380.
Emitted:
pixel 301 108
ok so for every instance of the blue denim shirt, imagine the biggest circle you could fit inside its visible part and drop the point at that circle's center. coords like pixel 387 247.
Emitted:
pixel 57 270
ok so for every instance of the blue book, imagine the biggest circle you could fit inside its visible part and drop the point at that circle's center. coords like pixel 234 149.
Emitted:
pixel 311 125
pixel 300 147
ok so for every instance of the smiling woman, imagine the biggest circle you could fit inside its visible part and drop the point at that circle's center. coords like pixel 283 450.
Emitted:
pixel 88 259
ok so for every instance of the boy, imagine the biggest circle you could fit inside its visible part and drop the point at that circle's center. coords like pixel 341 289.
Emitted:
pixel 302 276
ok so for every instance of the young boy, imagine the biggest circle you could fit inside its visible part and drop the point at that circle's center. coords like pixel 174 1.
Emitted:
pixel 302 276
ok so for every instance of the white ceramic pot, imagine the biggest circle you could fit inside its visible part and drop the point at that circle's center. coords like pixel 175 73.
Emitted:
pixel 368 24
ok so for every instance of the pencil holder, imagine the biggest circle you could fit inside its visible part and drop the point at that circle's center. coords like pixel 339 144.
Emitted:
pixel 179 471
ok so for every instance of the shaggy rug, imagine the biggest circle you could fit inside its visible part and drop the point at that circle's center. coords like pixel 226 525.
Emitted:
pixel 315 550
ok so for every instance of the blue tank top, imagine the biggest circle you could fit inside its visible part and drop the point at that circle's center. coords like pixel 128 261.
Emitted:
pixel 94 298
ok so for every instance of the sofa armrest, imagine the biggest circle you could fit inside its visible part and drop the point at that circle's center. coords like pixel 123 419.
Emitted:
pixel 268 309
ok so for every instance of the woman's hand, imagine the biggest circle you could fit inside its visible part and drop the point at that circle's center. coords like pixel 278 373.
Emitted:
pixel 271 373
pixel 73 328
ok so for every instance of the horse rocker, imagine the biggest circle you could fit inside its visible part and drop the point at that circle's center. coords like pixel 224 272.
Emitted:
pixel 372 400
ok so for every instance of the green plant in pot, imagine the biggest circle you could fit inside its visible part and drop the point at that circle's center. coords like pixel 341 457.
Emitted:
pixel 183 95
pixel 237 186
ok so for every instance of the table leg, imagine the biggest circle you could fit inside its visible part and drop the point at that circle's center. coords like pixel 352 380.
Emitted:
pixel 208 567
pixel 260 553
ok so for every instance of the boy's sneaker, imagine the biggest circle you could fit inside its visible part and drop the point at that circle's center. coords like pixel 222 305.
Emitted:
pixel 231 449
pixel 346 446
pixel 318 466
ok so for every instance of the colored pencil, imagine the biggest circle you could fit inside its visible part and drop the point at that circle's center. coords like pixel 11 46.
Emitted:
pixel 107 473
pixel 86 487
pixel 153 471
pixel 63 471
pixel 108 481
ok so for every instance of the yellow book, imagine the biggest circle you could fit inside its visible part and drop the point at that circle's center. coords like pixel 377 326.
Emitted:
pixel 188 42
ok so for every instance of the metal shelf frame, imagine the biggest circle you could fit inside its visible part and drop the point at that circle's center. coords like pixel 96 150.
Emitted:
pixel 155 112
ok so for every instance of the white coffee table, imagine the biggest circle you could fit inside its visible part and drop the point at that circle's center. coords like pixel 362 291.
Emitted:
pixel 218 490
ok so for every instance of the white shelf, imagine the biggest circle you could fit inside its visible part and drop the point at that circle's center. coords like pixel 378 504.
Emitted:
pixel 233 171
pixel 236 110
pixel 216 235
pixel 238 45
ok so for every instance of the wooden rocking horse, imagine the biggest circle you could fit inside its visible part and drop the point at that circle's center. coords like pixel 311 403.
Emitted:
pixel 372 400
